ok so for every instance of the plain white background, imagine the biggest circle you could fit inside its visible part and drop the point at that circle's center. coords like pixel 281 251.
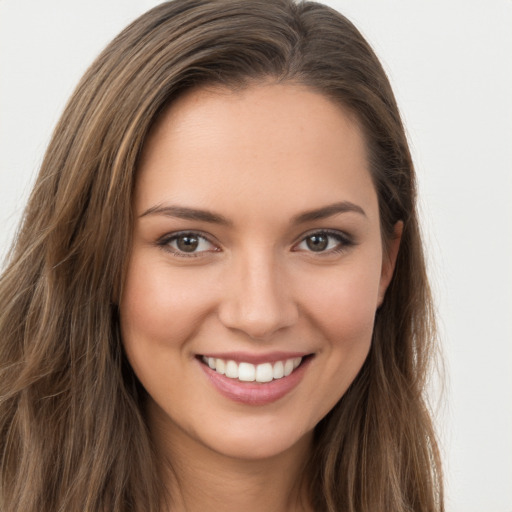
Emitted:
pixel 450 64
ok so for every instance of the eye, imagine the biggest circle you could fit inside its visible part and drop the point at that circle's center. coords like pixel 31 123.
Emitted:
pixel 324 242
pixel 187 244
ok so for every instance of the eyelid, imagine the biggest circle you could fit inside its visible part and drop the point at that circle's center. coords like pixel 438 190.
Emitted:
pixel 345 241
pixel 164 243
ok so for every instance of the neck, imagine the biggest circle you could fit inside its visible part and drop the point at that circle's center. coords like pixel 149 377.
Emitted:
pixel 198 478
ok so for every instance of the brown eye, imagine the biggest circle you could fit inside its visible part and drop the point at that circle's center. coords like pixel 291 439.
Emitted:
pixel 317 242
pixel 328 242
pixel 187 243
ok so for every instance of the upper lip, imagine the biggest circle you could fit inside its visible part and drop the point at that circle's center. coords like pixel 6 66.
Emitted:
pixel 246 357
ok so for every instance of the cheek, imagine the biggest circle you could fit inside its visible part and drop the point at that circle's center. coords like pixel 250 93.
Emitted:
pixel 343 303
pixel 160 306
pixel 160 311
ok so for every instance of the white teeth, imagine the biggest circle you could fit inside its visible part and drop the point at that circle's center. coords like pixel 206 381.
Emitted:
pixel 232 370
pixel 247 372
pixel 220 366
pixel 288 367
pixel 279 370
pixel 264 372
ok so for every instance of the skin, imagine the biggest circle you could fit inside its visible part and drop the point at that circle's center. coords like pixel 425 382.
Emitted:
pixel 260 158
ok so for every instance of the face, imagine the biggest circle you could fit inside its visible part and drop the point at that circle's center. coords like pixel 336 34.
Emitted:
pixel 256 267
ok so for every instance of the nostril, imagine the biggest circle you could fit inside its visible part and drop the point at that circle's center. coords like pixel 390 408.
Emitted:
pixel 258 323
pixel 257 300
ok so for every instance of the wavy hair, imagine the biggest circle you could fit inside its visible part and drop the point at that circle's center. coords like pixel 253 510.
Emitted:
pixel 73 435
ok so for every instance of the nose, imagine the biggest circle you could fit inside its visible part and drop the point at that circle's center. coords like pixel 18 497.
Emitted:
pixel 258 299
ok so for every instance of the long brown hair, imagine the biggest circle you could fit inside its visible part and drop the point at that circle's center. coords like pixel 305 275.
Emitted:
pixel 72 429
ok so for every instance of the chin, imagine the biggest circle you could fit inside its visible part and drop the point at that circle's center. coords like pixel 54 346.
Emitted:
pixel 256 445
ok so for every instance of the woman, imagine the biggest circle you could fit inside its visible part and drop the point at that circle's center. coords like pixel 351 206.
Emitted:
pixel 217 299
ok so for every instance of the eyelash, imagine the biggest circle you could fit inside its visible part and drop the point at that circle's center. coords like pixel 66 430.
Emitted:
pixel 343 242
pixel 342 239
pixel 166 240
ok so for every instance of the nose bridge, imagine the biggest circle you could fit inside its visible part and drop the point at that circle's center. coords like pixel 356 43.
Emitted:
pixel 258 301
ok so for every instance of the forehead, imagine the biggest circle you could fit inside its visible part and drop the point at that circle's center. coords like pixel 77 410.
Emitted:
pixel 271 142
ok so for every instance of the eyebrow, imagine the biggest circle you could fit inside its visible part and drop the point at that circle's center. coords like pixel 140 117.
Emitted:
pixel 328 211
pixel 182 212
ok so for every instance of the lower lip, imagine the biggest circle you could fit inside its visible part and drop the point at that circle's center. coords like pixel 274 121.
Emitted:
pixel 252 393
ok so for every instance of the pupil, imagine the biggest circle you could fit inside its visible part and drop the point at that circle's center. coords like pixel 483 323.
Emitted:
pixel 187 243
pixel 317 242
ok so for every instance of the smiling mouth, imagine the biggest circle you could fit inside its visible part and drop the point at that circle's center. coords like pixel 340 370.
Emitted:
pixel 248 372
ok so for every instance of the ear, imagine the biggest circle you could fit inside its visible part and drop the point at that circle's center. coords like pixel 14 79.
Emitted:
pixel 389 260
